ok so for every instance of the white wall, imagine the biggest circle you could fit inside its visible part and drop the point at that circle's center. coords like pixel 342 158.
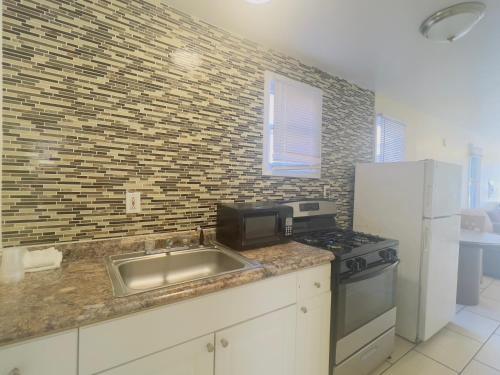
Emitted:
pixel 1 123
pixel 432 138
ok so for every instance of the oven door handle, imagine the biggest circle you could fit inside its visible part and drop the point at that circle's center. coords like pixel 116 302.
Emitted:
pixel 370 274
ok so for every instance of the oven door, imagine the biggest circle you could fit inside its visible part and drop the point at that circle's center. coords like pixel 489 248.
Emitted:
pixel 364 297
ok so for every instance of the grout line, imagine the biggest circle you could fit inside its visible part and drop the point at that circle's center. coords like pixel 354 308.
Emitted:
pixel 400 358
pixel 441 363
pixel 472 338
pixel 484 316
pixel 386 361
pixel 487 365
pixel 467 337
pixel 393 364
pixel 480 348
pixel 414 348
pixel 464 308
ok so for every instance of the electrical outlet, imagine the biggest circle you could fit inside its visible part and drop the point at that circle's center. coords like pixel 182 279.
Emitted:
pixel 133 202
pixel 326 192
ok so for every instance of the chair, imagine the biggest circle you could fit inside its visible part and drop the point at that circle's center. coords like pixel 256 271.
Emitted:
pixel 494 215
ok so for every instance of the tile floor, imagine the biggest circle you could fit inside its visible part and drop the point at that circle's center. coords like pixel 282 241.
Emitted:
pixel 469 345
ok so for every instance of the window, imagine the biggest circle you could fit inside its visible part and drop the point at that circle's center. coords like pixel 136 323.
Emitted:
pixel 391 140
pixel 475 161
pixel 292 128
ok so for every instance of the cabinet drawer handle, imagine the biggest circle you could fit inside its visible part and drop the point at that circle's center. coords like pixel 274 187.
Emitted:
pixel 15 371
pixel 224 343
pixel 304 309
pixel 210 347
pixel 317 285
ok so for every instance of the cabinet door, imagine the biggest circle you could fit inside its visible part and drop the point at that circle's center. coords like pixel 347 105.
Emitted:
pixel 51 355
pixel 313 335
pixel 195 357
pixel 265 345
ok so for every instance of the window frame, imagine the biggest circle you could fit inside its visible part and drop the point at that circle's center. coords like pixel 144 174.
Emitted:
pixel 474 184
pixel 376 144
pixel 287 171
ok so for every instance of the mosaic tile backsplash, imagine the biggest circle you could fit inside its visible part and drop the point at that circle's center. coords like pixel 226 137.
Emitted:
pixel 104 97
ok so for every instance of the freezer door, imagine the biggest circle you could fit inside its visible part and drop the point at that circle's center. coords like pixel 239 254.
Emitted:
pixel 439 274
pixel 443 189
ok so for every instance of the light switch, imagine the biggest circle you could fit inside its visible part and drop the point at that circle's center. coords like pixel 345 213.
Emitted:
pixel 133 202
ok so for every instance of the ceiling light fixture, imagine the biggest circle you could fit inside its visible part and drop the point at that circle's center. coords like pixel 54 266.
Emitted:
pixel 454 22
pixel 258 2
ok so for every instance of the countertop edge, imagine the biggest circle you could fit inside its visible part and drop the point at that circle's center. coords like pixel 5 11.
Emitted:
pixel 166 296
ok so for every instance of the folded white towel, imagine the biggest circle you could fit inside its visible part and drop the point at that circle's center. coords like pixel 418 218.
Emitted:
pixel 42 260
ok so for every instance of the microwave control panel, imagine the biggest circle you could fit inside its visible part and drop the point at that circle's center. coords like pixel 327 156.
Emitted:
pixel 288 226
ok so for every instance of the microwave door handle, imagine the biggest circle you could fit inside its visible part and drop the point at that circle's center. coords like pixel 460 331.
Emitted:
pixel 242 239
pixel 369 274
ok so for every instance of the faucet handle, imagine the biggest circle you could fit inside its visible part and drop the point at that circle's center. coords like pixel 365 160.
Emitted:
pixel 201 235
pixel 149 245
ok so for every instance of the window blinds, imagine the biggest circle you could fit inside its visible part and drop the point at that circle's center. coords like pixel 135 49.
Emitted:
pixel 475 162
pixel 293 128
pixel 391 140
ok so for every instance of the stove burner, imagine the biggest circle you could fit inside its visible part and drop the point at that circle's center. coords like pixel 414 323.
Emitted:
pixel 341 242
pixel 311 241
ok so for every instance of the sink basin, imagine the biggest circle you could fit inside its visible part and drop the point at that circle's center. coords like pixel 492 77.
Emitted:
pixel 139 272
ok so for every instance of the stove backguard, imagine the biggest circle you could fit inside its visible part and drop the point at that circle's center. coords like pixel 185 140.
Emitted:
pixel 313 223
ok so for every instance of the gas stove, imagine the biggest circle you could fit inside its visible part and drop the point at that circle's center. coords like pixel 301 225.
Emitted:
pixel 364 275
pixel 314 225
pixel 344 243
pixel 354 251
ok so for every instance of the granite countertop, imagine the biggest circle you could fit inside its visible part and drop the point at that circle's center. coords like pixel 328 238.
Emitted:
pixel 80 292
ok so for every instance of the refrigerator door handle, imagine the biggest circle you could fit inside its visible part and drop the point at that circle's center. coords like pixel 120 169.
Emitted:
pixel 426 238
pixel 370 273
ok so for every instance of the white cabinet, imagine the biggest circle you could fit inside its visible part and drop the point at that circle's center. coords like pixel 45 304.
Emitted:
pixel 109 344
pixel 265 345
pixel 313 281
pixel 195 357
pixel 313 335
pixel 52 355
pixel 277 326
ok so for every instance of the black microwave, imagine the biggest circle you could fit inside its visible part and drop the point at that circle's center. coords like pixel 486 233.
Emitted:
pixel 243 226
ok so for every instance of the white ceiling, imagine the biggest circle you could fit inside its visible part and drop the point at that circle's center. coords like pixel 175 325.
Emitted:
pixel 376 44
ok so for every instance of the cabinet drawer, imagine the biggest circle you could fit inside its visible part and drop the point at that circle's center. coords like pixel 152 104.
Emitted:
pixel 370 357
pixel 195 357
pixel 51 355
pixel 109 344
pixel 313 281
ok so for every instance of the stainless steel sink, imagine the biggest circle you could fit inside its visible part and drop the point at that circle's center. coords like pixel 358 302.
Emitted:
pixel 139 272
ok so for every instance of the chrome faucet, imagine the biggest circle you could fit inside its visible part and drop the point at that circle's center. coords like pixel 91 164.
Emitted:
pixel 201 238
pixel 150 247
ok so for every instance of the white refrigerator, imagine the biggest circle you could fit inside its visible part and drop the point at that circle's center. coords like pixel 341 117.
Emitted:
pixel 417 203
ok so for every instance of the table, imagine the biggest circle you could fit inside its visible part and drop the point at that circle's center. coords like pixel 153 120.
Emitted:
pixel 470 263
pixel 472 238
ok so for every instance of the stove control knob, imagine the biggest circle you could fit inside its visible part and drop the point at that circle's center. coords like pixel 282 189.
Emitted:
pixel 361 263
pixel 388 255
pixel 352 265
pixel 356 265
